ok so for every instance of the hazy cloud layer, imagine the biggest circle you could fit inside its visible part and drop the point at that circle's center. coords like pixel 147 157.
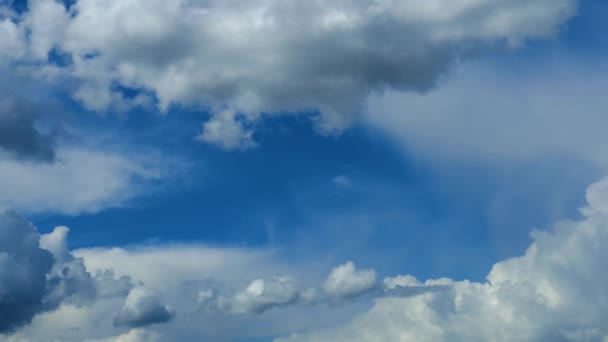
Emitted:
pixel 79 181
pixel 266 56
pixel 496 112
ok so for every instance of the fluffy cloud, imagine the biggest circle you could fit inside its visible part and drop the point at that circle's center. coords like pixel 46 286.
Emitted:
pixel 346 281
pixel 37 273
pixel 180 275
pixel 143 307
pixel 68 280
pixel 555 292
pixel 80 180
pixel 262 295
pixel 228 132
pixel 268 56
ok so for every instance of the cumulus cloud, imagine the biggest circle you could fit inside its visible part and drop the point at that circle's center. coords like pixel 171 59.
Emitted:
pixel 268 56
pixel 227 132
pixel 554 292
pixel 68 281
pixel 346 281
pixel 23 270
pixel 344 284
pixel 262 295
pixel 37 273
pixel 142 307
pixel 79 181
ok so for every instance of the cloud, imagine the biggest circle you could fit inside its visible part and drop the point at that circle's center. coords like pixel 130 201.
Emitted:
pixel 227 132
pixel 484 113
pixel 344 284
pixel 68 281
pixel 80 180
pixel 346 281
pixel 19 136
pixel 134 335
pixel 267 56
pixel 143 307
pixel 37 273
pixel 262 295
pixel 554 292
pixel 23 269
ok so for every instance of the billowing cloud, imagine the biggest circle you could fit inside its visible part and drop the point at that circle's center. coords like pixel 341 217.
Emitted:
pixel 262 295
pixel 346 281
pixel 79 181
pixel 268 56
pixel 555 292
pixel 68 280
pixel 23 270
pixel 37 273
pixel 142 307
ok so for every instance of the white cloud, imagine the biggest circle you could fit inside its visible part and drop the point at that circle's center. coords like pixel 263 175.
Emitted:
pixel 555 292
pixel 142 307
pixel 262 295
pixel 268 56
pixel 78 181
pixel 346 281
pixel 134 335
pixel 226 131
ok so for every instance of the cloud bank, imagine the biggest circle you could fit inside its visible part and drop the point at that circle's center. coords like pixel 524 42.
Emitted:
pixel 264 56
pixel 555 292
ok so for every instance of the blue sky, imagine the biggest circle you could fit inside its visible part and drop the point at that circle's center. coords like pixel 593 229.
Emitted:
pixel 258 150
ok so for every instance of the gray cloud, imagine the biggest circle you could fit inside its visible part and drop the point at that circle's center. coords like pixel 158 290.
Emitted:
pixel 19 135
pixel 38 274
pixel 23 269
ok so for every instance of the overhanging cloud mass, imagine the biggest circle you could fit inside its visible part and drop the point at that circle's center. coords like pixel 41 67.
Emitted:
pixel 265 56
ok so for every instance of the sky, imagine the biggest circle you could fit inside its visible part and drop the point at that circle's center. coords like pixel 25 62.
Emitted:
pixel 265 170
